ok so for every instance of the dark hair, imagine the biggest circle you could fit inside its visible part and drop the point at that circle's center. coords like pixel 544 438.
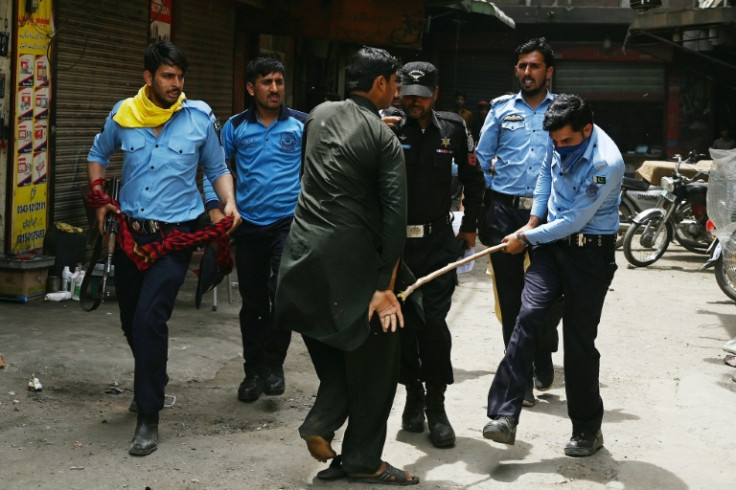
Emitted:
pixel 460 94
pixel 366 65
pixel 164 53
pixel 567 109
pixel 262 66
pixel 536 44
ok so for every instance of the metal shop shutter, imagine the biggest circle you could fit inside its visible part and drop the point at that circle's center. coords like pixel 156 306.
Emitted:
pixel 610 80
pixel 205 31
pixel 481 75
pixel 98 61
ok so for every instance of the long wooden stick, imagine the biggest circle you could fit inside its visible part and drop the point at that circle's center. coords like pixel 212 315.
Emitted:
pixel 452 265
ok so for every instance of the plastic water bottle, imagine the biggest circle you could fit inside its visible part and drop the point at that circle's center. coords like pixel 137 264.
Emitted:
pixel 77 278
pixel 58 296
pixel 66 279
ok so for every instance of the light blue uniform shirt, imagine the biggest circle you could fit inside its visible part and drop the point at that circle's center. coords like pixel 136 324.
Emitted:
pixel 583 200
pixel 513 133
pixel 267 163
pixel 159 179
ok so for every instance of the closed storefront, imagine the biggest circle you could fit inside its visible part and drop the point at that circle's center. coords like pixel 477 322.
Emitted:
pixel 480 75
pixel 99 60
pixel 205 31
pixel 627 98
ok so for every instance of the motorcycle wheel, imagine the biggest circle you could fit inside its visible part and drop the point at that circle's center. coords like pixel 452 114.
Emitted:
pixel 625 214
pixel 695 244
pixel 726 276
pixel 642 245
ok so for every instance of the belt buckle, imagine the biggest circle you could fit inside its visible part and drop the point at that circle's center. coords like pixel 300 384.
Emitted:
pixel 153 226
pixel 135 224
pixel 581 240
pixel 415 231
pixel 525 202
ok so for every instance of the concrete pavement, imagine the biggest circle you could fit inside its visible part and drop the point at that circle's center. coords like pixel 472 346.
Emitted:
pixel 669 398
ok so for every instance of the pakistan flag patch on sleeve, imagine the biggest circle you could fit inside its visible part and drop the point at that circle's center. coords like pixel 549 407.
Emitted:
pixel 599 179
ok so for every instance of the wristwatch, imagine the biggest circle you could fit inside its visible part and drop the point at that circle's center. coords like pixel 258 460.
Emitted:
pixel 521 239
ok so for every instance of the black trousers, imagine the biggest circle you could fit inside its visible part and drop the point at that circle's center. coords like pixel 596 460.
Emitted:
pixel 146 300
pixel 357 386
pixel 583 275
pixel 258 251
pixel 426 346
pixel 501 220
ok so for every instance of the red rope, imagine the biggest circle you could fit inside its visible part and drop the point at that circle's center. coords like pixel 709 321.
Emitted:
pixel 143 256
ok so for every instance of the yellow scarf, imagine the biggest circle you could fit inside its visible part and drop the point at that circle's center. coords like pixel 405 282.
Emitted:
pixel 140 112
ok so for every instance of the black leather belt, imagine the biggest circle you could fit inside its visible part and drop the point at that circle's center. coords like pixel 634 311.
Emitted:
pixel 150 226
pixel 420 230
pixel 518 202
pixel 581 240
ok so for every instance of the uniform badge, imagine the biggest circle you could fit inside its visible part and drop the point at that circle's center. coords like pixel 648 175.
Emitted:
pixel 416 75
pixel 591 191
pixel 446 142
pixel 599 179
pixel 513 117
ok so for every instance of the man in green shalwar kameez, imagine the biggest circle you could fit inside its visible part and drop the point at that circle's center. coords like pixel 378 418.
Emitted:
pixel 338 270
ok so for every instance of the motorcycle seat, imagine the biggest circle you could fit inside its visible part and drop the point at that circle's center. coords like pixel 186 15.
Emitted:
pixel 635 184
pixel 696 192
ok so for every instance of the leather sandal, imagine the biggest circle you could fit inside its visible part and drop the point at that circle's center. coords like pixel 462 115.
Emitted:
pixel 389 476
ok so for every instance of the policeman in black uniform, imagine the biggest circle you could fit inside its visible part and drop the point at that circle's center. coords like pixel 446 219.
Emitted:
pixel 432 141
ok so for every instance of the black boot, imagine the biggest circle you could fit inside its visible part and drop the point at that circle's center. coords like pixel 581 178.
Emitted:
pixel 412 419
pixel 145 439
pixel 441 433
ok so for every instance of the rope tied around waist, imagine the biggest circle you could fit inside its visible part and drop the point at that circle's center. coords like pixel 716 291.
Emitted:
pixel 143 256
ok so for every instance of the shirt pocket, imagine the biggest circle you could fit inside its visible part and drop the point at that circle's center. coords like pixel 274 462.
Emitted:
pixel 182 147
pixel 443 158
pixel 132 141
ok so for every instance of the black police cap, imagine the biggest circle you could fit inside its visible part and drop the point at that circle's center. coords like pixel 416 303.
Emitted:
pixel 418 78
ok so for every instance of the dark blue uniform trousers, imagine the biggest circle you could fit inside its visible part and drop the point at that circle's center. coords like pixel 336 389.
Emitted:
pixel 501 220
pixel 258 251
pixel 583 276
pixel 426 346
pixel 146 300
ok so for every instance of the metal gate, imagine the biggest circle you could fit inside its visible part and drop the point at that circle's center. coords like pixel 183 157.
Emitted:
pixel 481 75
pixel 205 31
pixel 98 58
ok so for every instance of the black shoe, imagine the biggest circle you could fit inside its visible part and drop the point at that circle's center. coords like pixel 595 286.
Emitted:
pixel 275 384
pixel 584 444
pixel 441 433
pixel 251 388
pixel 412 419
pixel 544 372
pixel 334 471
pixel 502 429
pixel 529 400
pixel 145 439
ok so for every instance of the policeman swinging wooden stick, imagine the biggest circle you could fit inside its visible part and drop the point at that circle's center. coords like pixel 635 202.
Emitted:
pixel 452 265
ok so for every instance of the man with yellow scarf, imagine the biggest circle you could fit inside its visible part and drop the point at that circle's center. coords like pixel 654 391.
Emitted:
pixel 164 139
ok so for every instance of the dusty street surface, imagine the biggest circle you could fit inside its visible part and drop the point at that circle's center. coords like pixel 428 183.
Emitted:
pixel 669 399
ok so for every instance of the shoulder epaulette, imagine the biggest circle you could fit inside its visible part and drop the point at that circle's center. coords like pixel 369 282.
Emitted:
pixel 502 98
pixel 450 116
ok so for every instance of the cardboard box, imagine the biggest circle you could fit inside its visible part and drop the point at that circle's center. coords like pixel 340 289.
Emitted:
pixel 23 280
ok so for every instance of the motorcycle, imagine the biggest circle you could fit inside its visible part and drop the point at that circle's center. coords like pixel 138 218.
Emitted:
pixel 636 196
pixel 722 207
pixel 680 213
pixel 725 269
